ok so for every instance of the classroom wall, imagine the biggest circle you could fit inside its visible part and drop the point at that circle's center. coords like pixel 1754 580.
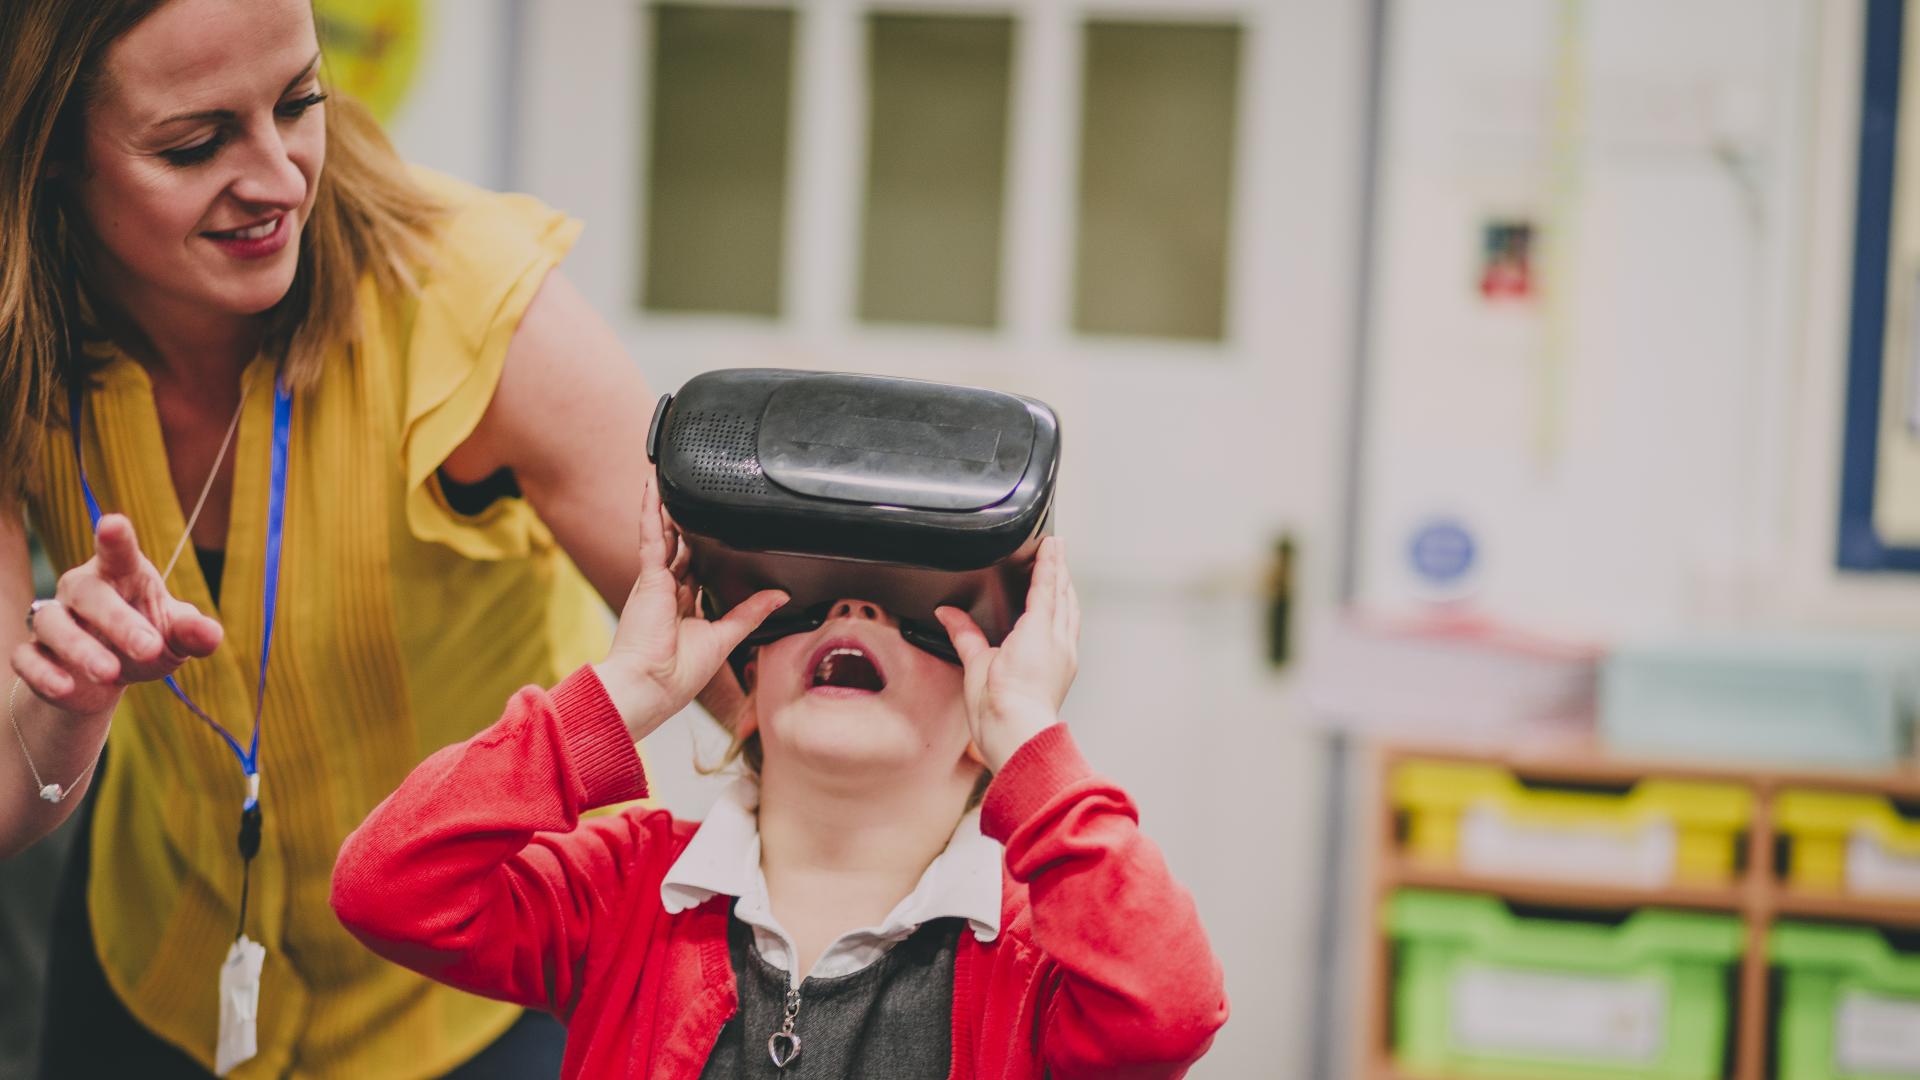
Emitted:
pixel 1653 442
pixel 451 118
pixel 1609 442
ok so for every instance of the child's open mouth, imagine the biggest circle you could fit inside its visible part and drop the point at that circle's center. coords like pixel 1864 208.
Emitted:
pixel 844 665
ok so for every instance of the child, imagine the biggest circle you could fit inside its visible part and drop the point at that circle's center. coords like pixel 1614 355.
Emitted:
pixel 829 918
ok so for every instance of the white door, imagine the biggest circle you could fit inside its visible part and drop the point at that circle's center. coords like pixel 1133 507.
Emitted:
pixel 1185 458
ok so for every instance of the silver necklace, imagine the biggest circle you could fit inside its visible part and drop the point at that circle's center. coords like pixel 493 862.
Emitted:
pixel 54 793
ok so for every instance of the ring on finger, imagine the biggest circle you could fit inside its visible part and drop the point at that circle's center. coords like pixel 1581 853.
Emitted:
pixel 33 611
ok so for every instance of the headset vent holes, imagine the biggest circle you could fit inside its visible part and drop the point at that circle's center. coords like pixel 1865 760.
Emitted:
pixel 724 448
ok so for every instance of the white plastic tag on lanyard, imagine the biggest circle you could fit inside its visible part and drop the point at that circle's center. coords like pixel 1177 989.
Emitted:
pixel 239 1004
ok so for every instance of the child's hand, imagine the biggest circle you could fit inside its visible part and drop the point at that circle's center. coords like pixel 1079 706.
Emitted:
pixel 1014 691
pixel 664 652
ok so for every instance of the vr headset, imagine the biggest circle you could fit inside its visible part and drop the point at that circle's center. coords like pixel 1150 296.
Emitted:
pixel 907 494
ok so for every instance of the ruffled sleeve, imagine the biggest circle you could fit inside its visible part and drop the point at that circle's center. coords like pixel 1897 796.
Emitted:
pixel 493 253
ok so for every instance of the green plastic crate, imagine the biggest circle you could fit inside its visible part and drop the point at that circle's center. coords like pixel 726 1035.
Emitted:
pixel 1849 1006
pixel 1482 992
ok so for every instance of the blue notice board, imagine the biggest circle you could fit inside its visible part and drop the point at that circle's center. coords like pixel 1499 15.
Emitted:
pixel 1865 542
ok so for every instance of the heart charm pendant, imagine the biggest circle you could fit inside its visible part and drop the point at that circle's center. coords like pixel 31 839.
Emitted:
pixel 52 793
pixel 783 1046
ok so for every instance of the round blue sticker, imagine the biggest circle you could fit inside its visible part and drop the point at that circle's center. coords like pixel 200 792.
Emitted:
pixel 1442 552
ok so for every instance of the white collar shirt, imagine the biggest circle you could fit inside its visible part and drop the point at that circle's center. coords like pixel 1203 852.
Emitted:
pixel 723 859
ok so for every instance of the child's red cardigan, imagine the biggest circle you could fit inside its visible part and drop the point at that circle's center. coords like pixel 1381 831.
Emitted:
pixel 480 872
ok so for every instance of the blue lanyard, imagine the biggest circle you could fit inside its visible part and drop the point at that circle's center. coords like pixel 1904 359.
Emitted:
pixel 276 519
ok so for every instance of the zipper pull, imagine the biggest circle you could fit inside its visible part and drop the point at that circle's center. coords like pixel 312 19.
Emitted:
pixel 783 1045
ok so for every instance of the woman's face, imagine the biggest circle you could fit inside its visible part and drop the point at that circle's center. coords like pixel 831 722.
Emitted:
pixel 203 152
pixel 853 695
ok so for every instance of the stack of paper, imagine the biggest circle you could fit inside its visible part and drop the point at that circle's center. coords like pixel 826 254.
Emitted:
pixel 1450 681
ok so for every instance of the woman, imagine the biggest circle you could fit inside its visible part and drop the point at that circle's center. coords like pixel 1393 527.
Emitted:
pixel 390 431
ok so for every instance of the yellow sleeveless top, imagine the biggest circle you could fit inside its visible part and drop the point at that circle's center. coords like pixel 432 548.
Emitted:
pixel 402 627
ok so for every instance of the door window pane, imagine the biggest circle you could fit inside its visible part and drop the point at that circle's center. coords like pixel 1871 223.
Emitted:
pixel 1156 166
pixel 715 217
pixel 936 168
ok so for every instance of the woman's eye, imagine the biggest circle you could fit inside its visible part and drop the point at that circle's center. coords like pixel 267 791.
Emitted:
pixel 195 154
pixel 291 110
pixel 203 151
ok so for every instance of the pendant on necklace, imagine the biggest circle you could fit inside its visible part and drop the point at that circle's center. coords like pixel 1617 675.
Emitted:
pixel 783 1045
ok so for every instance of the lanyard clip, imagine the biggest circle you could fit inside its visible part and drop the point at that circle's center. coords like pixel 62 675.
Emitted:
pixel 250 832
pixel 250 819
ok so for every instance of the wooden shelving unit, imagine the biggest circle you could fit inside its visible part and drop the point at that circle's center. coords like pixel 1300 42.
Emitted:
pixel 1407 873
pixel 1759 895
pixel 1902 914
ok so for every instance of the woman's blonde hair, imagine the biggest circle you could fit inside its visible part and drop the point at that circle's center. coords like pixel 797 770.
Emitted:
pixel 368 217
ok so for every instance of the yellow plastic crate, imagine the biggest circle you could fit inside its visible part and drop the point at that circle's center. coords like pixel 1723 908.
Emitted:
pixel 1481 819
pixel 1848 843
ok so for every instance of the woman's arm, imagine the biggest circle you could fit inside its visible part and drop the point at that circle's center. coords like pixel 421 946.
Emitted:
pixel 569 417
pixel 111 623
pixel 62 744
